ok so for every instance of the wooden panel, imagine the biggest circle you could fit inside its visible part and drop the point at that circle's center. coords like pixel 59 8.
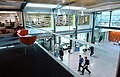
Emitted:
pixel 13 0
pixel 114 36
pixel 77 2
pixel 85 3
pixel 44 1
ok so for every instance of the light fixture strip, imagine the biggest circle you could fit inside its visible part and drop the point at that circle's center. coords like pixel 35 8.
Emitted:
pixel 54 6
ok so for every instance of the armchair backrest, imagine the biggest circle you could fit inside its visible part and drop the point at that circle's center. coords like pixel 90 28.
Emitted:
pixel 28 40
pixel 22 32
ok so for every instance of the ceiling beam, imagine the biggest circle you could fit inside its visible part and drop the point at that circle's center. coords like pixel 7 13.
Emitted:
pixel 10 9
pixel 69 2
pixel 116 28
pixel 23 5
pixel 64 4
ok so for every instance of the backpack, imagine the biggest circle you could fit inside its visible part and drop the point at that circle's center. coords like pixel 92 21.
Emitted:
pixel 87 62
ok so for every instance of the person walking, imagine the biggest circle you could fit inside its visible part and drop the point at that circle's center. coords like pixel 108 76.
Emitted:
pixel 69 49
pixel 91 50
pixel 61 53
pixel 86 64
pixel 56 52
pixel 80 62
pixel 100 39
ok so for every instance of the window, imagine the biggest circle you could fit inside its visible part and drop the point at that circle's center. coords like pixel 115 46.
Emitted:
pixel 115 19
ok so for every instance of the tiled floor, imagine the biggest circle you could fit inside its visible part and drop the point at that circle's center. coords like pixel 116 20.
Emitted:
pixel 102 64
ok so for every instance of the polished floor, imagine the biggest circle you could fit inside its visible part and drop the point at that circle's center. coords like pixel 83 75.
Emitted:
pixel 102 64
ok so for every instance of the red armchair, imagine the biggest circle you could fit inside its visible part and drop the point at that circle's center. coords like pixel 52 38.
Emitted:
pixel 25 38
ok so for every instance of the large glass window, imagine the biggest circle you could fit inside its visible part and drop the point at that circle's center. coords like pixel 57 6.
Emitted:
pixel 115 20
pixel 64 20
pixel 37 19
pixel 98 18
pixel 104 19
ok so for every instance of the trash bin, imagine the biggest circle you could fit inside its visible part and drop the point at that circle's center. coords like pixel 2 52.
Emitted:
pixel 77 49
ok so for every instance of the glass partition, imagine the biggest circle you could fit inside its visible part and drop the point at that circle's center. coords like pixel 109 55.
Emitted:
pixel 103 58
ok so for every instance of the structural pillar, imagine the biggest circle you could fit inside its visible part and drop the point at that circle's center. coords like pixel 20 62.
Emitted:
pixel 54 25
pixel 76 27
pixel 59 41
pixel 110 18
pixel 71 41
pixel 93 27
pixel 118 67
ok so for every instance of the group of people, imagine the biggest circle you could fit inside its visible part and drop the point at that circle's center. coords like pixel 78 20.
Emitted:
pixel 83 62
pixel 59 52
pixel 83 66
pixel 15 24
pixel 12 26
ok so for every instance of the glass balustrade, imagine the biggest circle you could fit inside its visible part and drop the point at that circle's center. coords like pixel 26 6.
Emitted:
pixel 104 57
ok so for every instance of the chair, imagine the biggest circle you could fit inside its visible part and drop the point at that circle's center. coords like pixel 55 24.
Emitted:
pixel 22 32
pixel 28 40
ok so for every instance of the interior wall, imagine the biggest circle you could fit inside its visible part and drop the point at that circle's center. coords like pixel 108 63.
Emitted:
pixel 114 36
pixel 20 17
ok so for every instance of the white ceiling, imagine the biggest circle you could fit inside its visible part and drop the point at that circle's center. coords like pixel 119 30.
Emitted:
pixel 11 4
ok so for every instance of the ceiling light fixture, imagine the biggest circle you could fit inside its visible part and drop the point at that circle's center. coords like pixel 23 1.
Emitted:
pixel 54 6
pixel 74 8
pixel 41 5
pixel 82 13
pixel 58 13
pixel 7 12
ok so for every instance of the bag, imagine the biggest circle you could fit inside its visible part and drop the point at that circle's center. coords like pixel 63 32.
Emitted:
pixel 87 62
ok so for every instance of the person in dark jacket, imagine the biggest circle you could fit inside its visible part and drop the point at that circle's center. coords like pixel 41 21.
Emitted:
pixel 100 39
pixel 91 50
pixel 61 53
pixel 86 64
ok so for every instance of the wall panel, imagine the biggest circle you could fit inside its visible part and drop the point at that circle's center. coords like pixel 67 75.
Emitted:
pixel 114 36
